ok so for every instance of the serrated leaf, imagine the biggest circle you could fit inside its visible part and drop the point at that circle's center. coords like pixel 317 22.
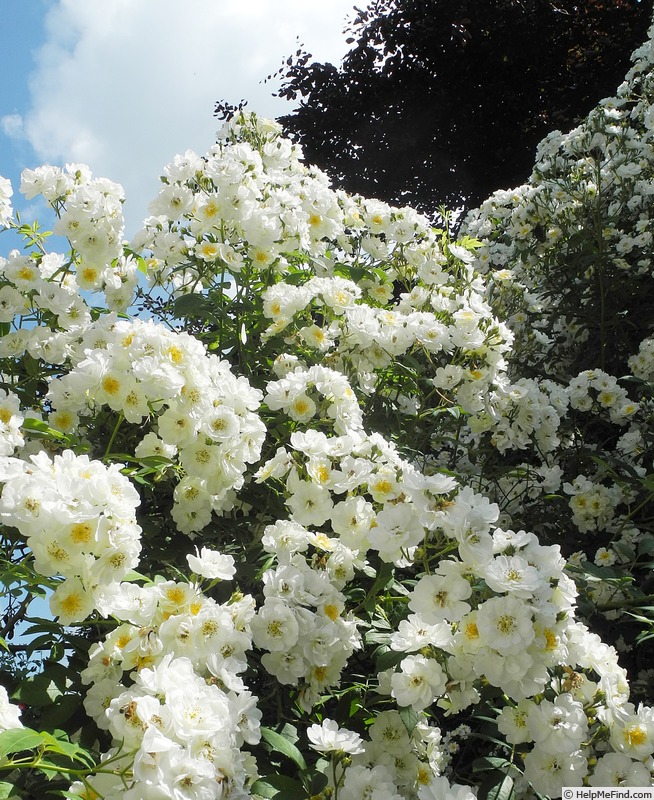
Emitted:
pixel 282 745
pixel 71 750
pixel 43 429
pixel 15 740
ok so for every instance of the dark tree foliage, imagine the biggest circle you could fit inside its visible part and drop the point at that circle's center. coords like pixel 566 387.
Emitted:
pixel 444 101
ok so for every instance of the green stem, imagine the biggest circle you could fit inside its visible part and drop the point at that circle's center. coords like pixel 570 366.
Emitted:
pixel 600 268
pixel 36 763
pixel 119 422
pixel 602 319
pixel 633 602
pixel 645 502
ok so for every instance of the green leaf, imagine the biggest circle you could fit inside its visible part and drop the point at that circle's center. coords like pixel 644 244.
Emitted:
pixel 318 782
pixel 356 274
pixel 282 745
pixel 133 576
pixel 469 242
pixel 32 366
pixel 39 643
pixel 189 305
pixel 264 789
pixel 70 750
pixel 16 740
pixel 6 790
pixel 296 278
pixel 61 710
pixel 388 659
pixel 385 577
pixel 141 264
pixel 624 549
pixel 156 462
pixel 43 429
pixel 377 637
pixel 410 718
pixel 500 791
pixel 279 786
pixel 37 690
pixel 489 762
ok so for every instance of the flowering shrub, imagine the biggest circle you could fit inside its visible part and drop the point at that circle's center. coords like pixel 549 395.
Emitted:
pixel 269 488
pixel 568 264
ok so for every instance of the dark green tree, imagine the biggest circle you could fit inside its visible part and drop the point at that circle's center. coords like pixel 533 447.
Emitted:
pixel 444 101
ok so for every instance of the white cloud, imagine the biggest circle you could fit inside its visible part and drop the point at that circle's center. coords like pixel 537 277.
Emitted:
pixel 123 85
pixel 12 126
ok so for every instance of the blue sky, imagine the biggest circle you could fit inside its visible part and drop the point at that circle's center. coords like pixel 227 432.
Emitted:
pixel 124 85
pixel 21 34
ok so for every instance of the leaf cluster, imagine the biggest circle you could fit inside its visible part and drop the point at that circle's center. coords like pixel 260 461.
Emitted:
pixel 455 95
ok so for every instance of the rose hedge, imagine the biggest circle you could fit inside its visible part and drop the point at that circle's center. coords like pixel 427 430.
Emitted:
pixel 298 475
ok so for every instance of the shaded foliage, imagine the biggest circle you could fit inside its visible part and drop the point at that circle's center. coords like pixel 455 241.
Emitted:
pixel 444 101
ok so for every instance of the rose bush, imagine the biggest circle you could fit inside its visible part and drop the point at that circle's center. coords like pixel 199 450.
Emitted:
pixel 568 442
pixel 298 475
